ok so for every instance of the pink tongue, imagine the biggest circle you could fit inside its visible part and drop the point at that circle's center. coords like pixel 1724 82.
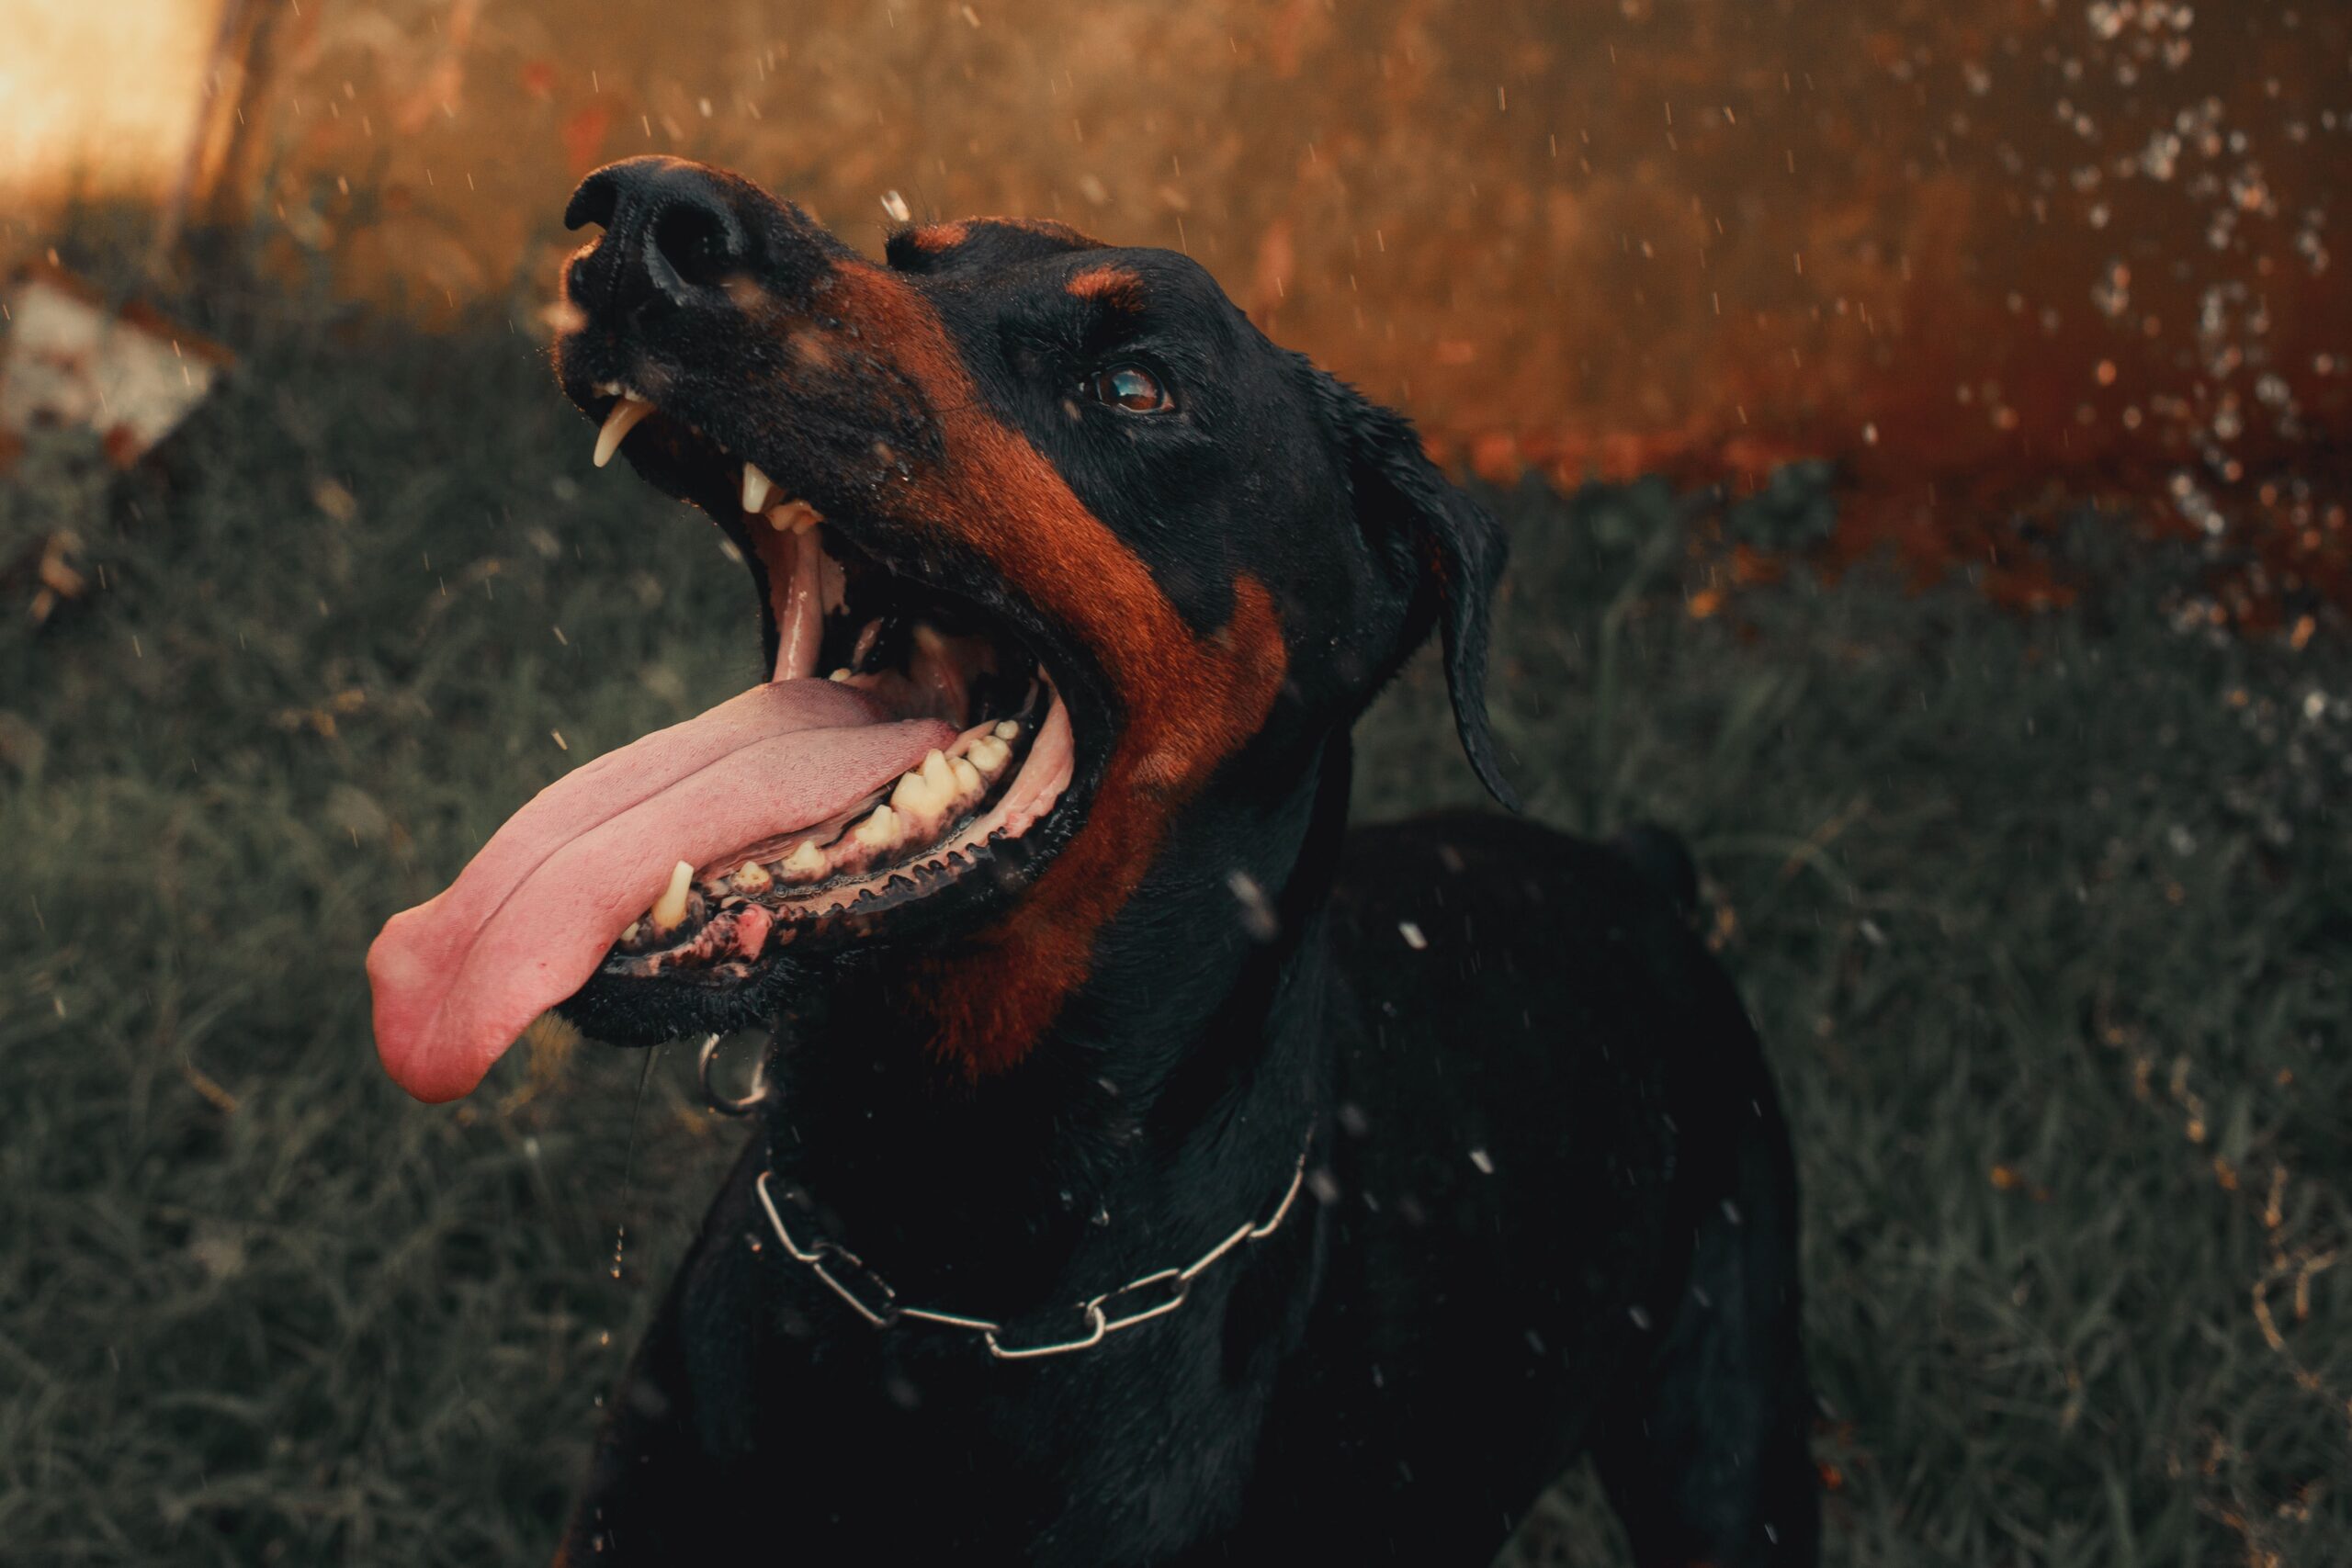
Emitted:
pixel 526 923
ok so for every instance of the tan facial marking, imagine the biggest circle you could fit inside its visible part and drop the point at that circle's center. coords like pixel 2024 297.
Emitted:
pixel 1114 286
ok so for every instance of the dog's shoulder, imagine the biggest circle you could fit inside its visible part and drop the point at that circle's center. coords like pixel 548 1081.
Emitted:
pixel 1513 1012
pixel 1479 902
pixel 1549 989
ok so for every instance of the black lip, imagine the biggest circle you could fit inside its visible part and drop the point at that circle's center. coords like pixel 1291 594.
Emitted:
pixel 691 460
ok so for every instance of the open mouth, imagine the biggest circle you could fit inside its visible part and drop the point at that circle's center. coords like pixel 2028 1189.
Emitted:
pixel 917 656
pixel 910 756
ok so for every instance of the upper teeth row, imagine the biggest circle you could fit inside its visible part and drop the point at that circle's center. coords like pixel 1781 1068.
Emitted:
pixel 796 516
pixel 756 486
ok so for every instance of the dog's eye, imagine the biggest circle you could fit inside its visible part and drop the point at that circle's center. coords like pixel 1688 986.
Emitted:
pixel 1129 387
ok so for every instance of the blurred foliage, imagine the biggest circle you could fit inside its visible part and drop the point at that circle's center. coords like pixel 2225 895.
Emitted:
pixel 2045 920
pixel 1985 255
pixel 1792 511
pixel 48 520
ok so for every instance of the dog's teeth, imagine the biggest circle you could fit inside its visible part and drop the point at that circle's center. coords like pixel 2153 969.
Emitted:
pixel 1007 729
pixel 840 675
pixel 969 786
pixel 617 425
pixel 756 486
pixel 989 755
pixel 790 516
pixel 752 877
pixel 880 830
pixel 924 796
pixel 807 863
pixel 939 775
pixel 670 910
pixel 630 935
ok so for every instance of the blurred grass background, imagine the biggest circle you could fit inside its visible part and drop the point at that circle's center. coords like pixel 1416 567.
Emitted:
pixel 2045 922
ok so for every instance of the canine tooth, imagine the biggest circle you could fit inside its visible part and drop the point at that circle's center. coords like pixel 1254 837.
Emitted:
pixel 619 424
pixel 880 830
pixel 1007 729
pixel 756 486
pixel 752 877
pixel 805 863
pixel 968 783
pixel 670 910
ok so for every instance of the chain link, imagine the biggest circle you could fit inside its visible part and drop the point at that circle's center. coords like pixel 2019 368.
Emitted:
pixel 739 1105
pixel 871 1297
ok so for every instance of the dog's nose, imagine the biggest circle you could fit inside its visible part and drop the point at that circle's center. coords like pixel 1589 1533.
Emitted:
pixel 671 236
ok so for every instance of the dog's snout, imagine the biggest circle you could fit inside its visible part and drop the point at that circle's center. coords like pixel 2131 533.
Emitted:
pixel 672 235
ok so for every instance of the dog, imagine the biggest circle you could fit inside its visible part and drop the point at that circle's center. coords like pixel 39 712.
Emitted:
pixel 1151 1170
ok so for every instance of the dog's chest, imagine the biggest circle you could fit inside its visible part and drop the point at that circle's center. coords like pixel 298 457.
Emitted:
pixel 920 1445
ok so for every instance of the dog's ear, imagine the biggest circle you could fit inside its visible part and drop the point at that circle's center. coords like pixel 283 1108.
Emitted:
pixel 1453 547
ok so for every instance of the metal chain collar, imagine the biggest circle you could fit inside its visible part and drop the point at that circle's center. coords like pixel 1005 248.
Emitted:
pixel 880 1307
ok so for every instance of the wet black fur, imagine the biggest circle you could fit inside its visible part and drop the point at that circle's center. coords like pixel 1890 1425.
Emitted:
pixel 1552 1207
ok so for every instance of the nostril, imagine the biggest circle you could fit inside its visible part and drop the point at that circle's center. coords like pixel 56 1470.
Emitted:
pixel 594 202
pixel 697 241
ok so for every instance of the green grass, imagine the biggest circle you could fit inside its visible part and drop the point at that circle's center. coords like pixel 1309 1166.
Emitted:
pixel 2047 930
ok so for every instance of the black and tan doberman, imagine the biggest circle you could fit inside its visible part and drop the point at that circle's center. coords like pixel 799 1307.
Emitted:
pixel 1152 1170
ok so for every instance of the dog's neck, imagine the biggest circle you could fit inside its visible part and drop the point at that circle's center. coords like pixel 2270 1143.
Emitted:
pixel 1167 1104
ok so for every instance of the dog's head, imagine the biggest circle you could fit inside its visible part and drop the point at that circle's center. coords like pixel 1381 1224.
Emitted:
pixel 1050 546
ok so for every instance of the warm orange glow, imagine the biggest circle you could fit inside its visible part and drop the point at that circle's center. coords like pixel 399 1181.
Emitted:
pixel 1986 256
pixel 99 97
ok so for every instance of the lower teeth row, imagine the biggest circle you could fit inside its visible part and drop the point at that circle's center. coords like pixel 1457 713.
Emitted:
pixel 924 801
